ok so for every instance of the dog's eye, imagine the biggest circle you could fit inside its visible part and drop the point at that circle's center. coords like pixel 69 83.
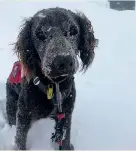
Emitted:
pixel 73 31
pixel 40 34
pixel 65 33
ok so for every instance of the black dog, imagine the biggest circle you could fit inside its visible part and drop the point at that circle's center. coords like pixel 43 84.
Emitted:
pixel 47 46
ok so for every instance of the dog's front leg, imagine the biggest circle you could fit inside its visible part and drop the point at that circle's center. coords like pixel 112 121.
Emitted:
pixel 68 109
pixel 11 104
pixel 22 125
pixel 66 144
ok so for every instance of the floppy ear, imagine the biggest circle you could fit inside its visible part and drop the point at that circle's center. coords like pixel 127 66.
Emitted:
pixel 24 47
pixel 87 41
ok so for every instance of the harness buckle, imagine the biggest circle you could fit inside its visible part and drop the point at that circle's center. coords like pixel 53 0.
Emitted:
pixel 60 116
pixel 36 81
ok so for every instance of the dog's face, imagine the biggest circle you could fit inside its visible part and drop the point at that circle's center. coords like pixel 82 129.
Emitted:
pixel 54 37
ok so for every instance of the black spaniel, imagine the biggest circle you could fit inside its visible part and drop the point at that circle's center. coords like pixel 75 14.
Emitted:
pixel 47 47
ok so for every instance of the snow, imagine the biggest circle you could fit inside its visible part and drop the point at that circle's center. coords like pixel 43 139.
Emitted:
pixel 105 109
pixel 42 16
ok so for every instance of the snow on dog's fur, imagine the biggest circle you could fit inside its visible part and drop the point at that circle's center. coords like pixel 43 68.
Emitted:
pixel 48 54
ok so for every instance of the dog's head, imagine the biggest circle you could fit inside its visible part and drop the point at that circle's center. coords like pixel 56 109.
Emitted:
pixel 53 38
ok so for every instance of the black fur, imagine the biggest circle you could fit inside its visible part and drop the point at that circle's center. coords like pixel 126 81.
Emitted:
pixel 71 33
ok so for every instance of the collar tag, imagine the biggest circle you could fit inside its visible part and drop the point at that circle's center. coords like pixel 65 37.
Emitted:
pixel 50 92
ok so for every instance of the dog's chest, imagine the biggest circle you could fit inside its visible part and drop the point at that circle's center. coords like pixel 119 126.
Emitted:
pixel 42 110
pixel 40 106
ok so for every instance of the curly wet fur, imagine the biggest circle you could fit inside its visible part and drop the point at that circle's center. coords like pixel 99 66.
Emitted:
pixel 30 103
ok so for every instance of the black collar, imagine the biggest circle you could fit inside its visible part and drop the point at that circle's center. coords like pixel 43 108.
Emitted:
pixel 48 89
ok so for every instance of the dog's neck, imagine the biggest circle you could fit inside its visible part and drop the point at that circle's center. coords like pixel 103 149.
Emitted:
pixel 64 86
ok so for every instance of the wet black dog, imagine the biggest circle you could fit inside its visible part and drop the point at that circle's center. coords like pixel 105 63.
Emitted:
pixel 48 46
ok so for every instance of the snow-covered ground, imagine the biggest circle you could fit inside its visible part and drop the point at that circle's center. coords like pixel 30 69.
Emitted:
pixel 105 110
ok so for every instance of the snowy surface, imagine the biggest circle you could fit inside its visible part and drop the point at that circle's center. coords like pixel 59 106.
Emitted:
pixel 105 110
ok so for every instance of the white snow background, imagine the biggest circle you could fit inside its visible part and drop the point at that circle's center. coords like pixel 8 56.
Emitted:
pixel 105 109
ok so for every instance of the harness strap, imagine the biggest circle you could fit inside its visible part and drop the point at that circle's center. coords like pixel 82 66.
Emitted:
pixel 41 86
pixel 58 97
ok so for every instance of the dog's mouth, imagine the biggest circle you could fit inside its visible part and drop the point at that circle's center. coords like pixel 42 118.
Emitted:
pixel 60 78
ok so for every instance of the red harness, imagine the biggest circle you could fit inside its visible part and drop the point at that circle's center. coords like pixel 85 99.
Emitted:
pixel 15 76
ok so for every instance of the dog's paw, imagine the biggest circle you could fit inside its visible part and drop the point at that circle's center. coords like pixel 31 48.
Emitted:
pixel 71 147
pixel 15 147
pixel 64 147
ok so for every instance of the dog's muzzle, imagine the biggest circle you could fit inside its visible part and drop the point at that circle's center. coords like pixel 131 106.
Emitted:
pixel 62 67
pixel 60 58
pixel 63 64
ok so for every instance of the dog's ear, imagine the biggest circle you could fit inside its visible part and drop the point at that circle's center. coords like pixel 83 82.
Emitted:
pixel 87 41
pixel 24 46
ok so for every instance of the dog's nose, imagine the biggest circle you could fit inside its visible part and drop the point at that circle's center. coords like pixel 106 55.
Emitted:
pixel 63 63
